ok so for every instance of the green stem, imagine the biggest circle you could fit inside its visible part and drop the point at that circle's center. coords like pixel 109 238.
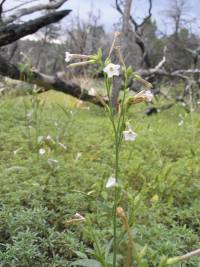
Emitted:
pixel 118 134
pixel 115 203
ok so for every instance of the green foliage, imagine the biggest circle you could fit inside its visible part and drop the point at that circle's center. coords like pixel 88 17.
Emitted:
pixel 160 173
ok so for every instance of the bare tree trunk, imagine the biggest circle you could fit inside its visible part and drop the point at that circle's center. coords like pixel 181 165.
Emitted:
pixel 115 93
pixel 124 39
pixel 145 62
pixel 126 17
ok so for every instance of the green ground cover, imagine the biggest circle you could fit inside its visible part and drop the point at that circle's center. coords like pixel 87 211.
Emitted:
pixel 40 193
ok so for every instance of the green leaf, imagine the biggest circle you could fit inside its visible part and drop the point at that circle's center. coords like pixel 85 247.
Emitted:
pixel 99 53
pixel 86 263
pixel 107 61
pixel 129 72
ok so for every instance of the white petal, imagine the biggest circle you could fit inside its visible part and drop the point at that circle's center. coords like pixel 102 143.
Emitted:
pixel 129 135
pixel 180 123
pixel 78 156
pixel 29 114
pixel 62 145
pixel 149 96
pixel 53 160
pixel 78 216
pixel 41 151
pixel 53 163
pixel 111 182
pixel 112 70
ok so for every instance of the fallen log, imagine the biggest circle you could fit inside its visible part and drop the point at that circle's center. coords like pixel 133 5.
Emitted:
pixel 48 82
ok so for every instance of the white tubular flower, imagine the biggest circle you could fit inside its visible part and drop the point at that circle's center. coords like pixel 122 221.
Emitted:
pixel 78 156
pixel 54 161
pixel 79 216
pixel 181 123
pixel 129 135
pixel 68 56
pixel 112 70
pixel 29 114
pixel 111 182
pixel 41 151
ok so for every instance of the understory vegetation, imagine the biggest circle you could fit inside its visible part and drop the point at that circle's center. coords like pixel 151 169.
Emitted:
pixel 55 157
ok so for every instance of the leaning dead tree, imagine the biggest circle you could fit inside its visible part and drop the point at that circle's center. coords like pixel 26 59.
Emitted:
pixel 13 29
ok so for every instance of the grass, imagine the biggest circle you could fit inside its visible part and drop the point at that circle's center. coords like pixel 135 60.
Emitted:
pixel 160 172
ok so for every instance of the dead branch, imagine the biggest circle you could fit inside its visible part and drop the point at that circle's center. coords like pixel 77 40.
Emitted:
pixel 18 6
pixel 1 9
pixel 162 62
pixel 188 255
pixel 30 10
pixel 46 81
pixel 13 32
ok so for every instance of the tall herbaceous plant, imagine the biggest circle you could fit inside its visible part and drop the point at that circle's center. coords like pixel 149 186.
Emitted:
pixel 122 132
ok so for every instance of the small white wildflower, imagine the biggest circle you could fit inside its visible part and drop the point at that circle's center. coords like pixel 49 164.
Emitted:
pixel 53 160
pixel 111 182
pixel 198 102
pixel 112 70
pixel 79 216
pixel 52 163
pixel 129 135
pixel 41 151
pixel 68 56
pixel 17 150
pixel 56 124
pixel 92 92
pixel 78 156
pixel 29 114
pixel 180 123
pixel 62 145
